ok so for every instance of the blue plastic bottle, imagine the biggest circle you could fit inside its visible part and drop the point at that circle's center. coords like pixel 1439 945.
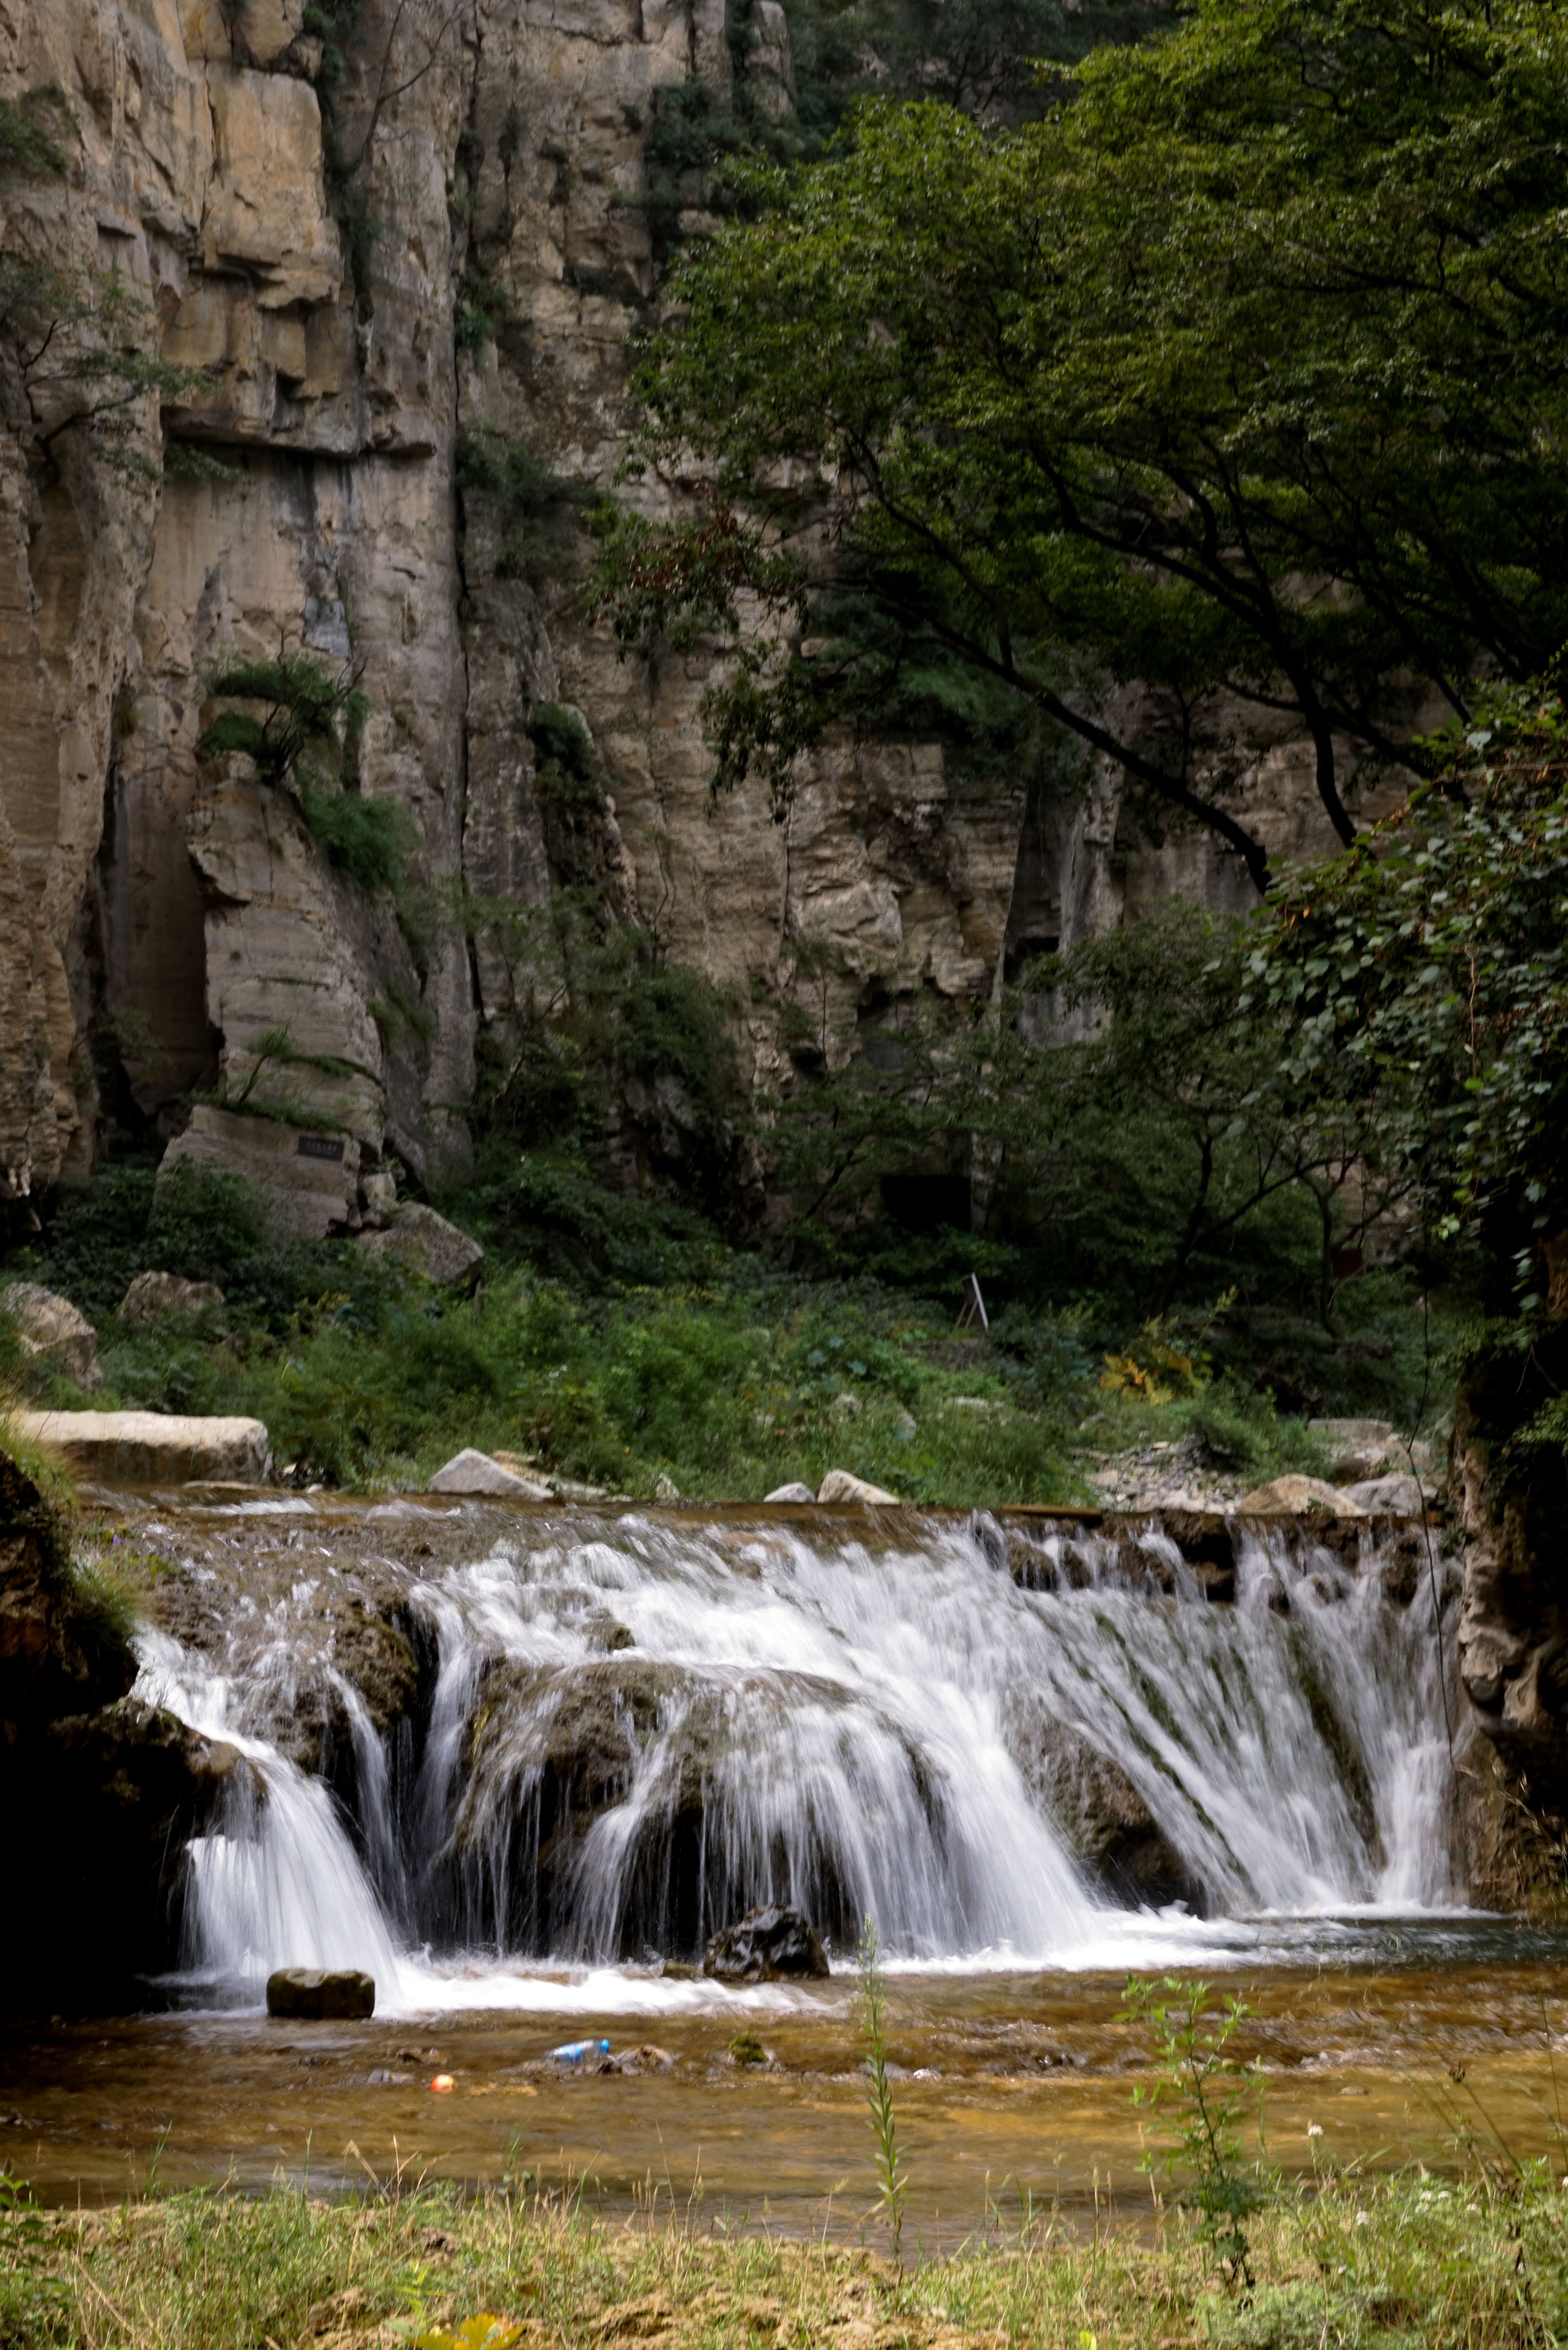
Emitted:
pixel 574 2051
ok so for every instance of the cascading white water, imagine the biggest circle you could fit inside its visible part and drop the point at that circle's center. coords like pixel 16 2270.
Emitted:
pixel 282 1878
pixel 1297 1761
pixel 637 1728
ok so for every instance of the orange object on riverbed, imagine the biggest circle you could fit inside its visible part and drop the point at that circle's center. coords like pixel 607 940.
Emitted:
pixel 443 2082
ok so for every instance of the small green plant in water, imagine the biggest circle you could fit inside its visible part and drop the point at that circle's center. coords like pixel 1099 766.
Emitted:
pixel 747 2049
pixel 892 2180
pixel 1202 2094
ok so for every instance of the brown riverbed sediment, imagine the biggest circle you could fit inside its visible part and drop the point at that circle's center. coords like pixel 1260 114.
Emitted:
pixel 1005 2086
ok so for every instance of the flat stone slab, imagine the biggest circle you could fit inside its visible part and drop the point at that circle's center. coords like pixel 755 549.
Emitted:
pixel 151 1448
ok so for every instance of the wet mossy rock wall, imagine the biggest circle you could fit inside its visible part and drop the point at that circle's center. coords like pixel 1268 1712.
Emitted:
pixel 99 1793
pixel 365 275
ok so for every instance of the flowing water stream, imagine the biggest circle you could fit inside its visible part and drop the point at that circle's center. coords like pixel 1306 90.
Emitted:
pixel 517 1763
pixel 628 1730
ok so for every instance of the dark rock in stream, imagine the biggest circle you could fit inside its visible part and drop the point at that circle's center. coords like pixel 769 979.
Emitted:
pixel 1107 1826
pixel 311 1995
pixel 766 1945
pixel 552 1749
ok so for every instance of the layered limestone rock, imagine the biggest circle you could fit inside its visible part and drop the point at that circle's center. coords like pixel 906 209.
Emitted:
pixel 299 234
pixel 191 911
pixel 891 875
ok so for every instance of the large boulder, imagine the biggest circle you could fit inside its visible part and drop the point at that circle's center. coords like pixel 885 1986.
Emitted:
pixel 150 1448
pixel 475 1472
pixel 308 1182
pixel 1112 1834
pixel 315 1995
pixel 425 1243
pixel 1393 1496
pixel 772 1944
pixel 839 1485
pixel 53 1331
pixel 1292 1497
pixel 151 1296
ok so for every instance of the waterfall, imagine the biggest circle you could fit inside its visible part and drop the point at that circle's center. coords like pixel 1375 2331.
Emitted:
pixel 631 1730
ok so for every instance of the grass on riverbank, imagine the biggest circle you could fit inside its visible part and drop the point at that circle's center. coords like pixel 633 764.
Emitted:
pixel 617 1343
pixel 1379 2264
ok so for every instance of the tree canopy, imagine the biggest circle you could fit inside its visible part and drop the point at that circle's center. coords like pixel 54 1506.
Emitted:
pixel 1428 970
pixel 1229 391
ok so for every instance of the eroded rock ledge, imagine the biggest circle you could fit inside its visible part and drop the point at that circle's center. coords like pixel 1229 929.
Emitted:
pixel 98 1792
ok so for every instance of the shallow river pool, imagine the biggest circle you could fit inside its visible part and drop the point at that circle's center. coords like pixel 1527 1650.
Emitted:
pixel 1388 2039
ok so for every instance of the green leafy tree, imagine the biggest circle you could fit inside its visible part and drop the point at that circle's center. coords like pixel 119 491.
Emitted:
pixel 1157 1121
pixel 1429 969
pixel 1150 1150
pixel 1226 395
pixel 1433 961
pixel 78 355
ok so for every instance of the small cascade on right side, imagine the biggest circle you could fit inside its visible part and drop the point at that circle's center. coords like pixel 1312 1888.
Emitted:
pixel 1291 1745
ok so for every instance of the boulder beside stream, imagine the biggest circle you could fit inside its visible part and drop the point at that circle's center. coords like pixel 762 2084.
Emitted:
pixel 1290 1497
pixel 150 1448
pixel 469 1471
pixel 839 1485
pixel 53 1331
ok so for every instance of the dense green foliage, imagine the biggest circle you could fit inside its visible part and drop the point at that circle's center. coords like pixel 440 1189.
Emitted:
pixel 528 501
pixel 997 59
pixel 1145 1153
pixel 367 840
pixel 29 133
pixel 1236 378
pixel 1431 964
pixel 617 1340
pixel 605 1047
pixel 727 1379
pixel 304 709
pixel 1428 972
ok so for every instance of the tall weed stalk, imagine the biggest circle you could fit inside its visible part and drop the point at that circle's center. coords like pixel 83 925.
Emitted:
pixel 892 2180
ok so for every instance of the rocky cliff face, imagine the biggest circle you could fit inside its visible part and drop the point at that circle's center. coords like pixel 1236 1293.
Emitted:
pixel 287 263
